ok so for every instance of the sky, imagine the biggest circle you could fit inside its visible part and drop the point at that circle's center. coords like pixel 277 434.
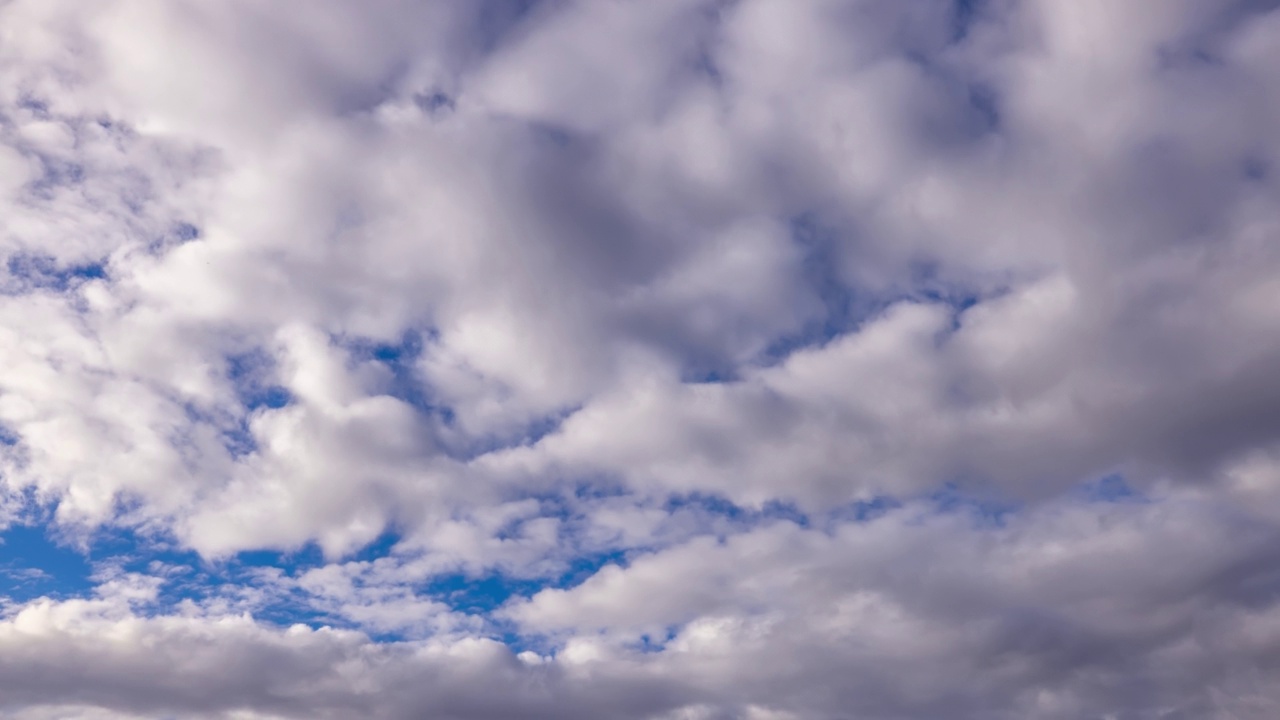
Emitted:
pixel 640 359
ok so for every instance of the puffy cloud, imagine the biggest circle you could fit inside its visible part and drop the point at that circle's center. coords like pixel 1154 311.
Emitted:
pixel 681 326
pixel 1131 609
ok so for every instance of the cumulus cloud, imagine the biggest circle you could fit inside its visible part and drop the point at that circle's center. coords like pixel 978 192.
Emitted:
pixel 754 359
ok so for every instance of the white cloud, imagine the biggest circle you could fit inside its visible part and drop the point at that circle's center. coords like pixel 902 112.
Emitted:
pixel 661 288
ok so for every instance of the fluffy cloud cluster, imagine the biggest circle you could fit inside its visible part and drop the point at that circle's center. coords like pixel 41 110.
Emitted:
pixel 773 359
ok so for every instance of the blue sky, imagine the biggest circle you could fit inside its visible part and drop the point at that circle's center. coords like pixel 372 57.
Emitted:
pixel 670 360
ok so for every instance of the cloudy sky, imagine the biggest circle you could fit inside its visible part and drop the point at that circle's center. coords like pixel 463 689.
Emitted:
pixel 640 359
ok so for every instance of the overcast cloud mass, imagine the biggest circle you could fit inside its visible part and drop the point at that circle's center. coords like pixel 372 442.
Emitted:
pixel 640 359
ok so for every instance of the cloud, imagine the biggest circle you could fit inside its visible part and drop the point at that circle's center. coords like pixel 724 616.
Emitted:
pixel 674 359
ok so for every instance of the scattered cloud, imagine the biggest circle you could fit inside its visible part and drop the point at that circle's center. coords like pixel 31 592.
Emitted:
pixel 684 359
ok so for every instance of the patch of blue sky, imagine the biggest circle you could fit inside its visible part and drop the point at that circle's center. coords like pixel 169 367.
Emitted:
pixel 237 438
pixel 656 642
pixel 711 377
pixel 42 272
pixel 39 563
pixel 703 365
pixel 482 595
pixel 76 560
pixel 860 511
pixel 478 594
pixel 72 567
pixel 279 604
pixel 434 102
pixel 843 308
pixel 1111 489
pixel 399 355
pixel 399 358
pixel 471 593
pixel 250 373
pixel 985 512
pixel 186 232
pixel 570 502
pixel 529 433
pixel 272 397
pixel 846 308
pixel 927 285
pixel 988 511
pixel 709 513
pixel 33 564
pixel 724 517
pixel 179 234
pixel 291 561
pixel 35 561
pixel 404 383
pixel 310 556
pixel 738 516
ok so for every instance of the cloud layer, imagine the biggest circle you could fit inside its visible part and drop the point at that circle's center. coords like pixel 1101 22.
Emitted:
pixel 676 359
